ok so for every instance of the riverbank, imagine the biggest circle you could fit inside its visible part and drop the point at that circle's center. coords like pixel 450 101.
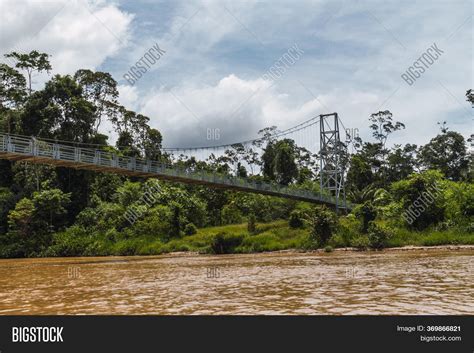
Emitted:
pixel 236 239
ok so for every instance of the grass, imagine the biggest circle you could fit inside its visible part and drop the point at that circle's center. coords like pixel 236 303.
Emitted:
pixel 404 237
pixel 235 238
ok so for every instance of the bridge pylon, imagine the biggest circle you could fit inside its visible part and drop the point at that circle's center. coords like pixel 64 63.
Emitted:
pixel 331 173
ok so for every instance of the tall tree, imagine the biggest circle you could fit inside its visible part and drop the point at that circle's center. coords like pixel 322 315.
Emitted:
pixel 32 62
pixel 59 110
pixel 447 153
pixel 12 87
pixel 100 89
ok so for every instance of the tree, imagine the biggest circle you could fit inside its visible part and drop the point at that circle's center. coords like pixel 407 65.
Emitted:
pixel 12 87
pixel 279 161
pixel 31 62
pixel 447 153
pixel 20 219
pixel 100 89
pixel 176 222
pixel 51 207
pixel 268 161
pixel 286 169
pixel 7 202
pixel 383 125
pixel 241 171
pixel 59 111
pixel 126 145
pixel 470 96
pixel 360 173
pixel 323 222
pixel 152 144
pixel 401 162
pixel 421 197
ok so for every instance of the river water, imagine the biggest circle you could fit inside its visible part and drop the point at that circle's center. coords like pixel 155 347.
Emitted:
pixel 392 282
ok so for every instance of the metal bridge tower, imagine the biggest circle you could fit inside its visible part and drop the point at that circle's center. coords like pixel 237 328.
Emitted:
pixel 331 171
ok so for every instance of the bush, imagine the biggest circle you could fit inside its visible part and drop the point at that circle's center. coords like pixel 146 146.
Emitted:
pixel 328 248
pixel 361 242
pixel 224 243
pixel 261 242
pixel 367 213
pixel 190 229
pixel 71 242
pixel 251 226
pixel 378 236
pixel 422 197
pixel 338 241
pixel 348 228
pixel 296 219
pixel 230 214
pixel 127 247
pixel 323 223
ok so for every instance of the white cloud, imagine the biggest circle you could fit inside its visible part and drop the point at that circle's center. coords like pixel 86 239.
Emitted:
pixel 78 33
pixel 237 107
pixel 209 76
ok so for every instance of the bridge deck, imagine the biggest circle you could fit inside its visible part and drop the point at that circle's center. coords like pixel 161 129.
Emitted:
pixel 18 148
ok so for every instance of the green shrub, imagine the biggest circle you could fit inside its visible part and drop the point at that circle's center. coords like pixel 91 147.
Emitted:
pixel 296 219
pixel 127 247
pixel 323 223
pixel 328 248
pixel 338 241
pixel 190 229
pixel 224 243
pixel 251 223
pixel 230 214
pixel 378 236
pixel 348 228
pixel 261 242
pixel 361 242
pixel 423 199
pixel 72 242
pixel 367 213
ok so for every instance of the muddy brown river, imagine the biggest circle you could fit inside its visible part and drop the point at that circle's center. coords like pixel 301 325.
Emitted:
pixel 396 282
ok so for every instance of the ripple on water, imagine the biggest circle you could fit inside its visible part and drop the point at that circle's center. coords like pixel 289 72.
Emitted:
pixel 434 282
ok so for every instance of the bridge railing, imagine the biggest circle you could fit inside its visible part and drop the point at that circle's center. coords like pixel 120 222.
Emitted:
pixel 50 150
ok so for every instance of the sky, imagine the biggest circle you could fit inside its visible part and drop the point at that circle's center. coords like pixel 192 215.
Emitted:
pixel 215 70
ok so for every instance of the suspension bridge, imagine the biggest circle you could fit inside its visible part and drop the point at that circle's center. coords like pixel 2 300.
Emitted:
pixel 331 170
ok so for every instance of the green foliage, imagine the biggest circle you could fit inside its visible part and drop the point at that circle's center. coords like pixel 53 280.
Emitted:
pixel 328 248
pixel 422 199
pixel 21 219
pixel 378 236
pixel 446 152
pixel 296 219
pixel 251 223
pixel 279 161
pixel 31 62
pixel 50 207
pixel 190 229
pixel 231 214
pixel 176 221
pixel 55 211
pixel 348 228
pixel 323 223
pixel 361 242
pixel 367 213
pixel 225 243
pixel 7 202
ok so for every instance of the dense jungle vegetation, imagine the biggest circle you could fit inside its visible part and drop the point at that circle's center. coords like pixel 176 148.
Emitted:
pixel 405 194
